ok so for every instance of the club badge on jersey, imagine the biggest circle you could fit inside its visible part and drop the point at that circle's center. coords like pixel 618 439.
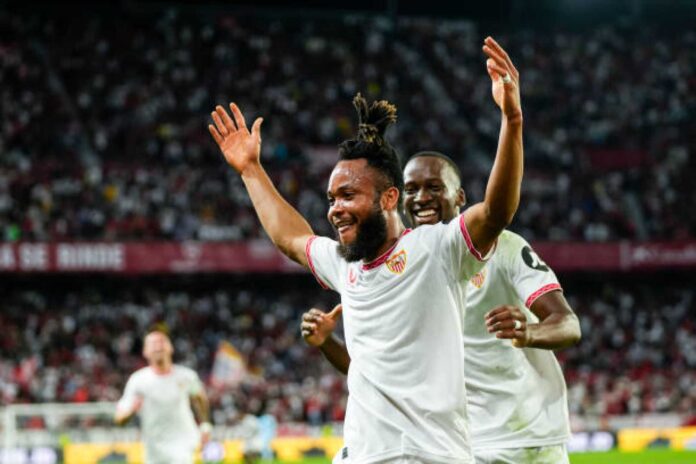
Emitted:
pixel 397 263
pixel 479 279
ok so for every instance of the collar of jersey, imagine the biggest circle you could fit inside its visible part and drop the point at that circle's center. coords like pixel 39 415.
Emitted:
pixel 384 256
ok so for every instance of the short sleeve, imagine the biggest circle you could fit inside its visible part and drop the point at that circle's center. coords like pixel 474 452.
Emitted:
pixel 130 394
pixel 453 245
pixel 195 385
pixel 324 261
pixel 530 275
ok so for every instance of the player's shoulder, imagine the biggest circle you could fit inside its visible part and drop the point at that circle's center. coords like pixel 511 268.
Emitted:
pixel 510 241
pixel 508 248
pixel 140 374
pixel 427 232
pixel 184 371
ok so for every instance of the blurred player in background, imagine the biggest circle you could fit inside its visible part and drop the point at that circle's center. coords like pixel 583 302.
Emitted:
pixel 517 397
pixel 164 394
pixel 406 362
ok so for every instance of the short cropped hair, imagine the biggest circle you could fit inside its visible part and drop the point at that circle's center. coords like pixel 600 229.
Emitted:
pixel 442 156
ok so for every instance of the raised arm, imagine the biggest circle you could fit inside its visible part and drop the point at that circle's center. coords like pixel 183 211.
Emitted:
pixel 317 329
pixel 487 219
pixel 288 230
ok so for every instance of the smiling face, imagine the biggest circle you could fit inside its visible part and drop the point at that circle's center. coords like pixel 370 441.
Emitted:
pixel 355 209
pixel 432 191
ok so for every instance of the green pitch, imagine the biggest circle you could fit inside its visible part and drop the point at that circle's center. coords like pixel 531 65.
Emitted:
pixel 641 457
pixel 611 457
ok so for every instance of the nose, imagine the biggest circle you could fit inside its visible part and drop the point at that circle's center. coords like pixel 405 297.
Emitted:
pixel 335 210
pixel 422 196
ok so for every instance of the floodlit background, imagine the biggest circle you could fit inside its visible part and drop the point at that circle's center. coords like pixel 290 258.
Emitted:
pixel 117 211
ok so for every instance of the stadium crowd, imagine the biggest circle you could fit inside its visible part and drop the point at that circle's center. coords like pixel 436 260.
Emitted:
pixel 638 353
pixel 104 136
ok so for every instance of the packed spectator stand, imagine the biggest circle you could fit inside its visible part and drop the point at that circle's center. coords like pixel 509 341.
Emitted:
pixel 69 342
pixel 104 122
pixel 104 138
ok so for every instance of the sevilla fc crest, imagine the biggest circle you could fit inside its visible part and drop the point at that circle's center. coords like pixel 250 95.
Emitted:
pixel 397 263
pixel 478 279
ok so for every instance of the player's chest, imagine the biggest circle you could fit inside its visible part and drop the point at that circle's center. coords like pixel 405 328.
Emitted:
pixel 402 270
pixel 166 392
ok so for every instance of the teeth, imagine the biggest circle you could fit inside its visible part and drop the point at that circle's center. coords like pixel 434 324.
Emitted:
pixel 426 213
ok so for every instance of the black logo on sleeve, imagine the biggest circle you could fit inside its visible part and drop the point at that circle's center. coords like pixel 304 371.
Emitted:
pixel 533 260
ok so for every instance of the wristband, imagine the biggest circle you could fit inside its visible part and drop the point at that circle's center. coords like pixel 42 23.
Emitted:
pixel 205 427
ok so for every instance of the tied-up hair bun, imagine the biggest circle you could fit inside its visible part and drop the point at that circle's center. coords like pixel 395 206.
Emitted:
pixel 374 119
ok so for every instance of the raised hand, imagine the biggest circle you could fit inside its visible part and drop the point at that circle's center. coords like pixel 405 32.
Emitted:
pixel 317 326
pixel 505 80
pixel 240 147
pixel 508 322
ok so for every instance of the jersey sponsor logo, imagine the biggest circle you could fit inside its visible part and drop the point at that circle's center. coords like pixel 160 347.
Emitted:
pixel 352 276
pixel 478 279
pixel 397 263
pixel 533 260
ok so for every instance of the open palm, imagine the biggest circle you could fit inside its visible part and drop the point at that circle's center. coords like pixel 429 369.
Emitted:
pixel 505 79
pixel 240 147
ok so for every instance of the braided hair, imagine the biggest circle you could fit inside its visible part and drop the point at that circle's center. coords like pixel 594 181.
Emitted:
pixel 370 144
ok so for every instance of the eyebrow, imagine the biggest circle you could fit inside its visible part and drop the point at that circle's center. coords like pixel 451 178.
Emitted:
pixel 341 188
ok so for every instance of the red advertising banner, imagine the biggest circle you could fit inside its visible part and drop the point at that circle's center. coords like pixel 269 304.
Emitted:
pixel 261 256
pixel 144 257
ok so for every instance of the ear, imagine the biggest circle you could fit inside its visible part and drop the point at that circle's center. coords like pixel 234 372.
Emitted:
pixel 390 199
pixel 461 198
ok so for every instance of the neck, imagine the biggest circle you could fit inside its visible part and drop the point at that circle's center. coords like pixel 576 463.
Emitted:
pixel 162 367
pixel 395 227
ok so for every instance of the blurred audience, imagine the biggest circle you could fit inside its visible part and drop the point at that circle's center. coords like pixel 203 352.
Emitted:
pixel 637 356
pixel 104 135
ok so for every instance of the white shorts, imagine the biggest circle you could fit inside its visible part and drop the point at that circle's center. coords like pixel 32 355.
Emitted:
pixel 338 459
pixel 555 454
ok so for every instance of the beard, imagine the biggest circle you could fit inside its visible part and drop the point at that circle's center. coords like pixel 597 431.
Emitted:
pixel 370 236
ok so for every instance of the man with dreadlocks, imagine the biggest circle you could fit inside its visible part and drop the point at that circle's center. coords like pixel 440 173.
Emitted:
pixel 515 315
pixel 401 301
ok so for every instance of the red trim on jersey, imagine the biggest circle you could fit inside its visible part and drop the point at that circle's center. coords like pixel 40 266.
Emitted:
pixel 467 239
pixel 542 291
pixel 308 253
pixel 384 256
pixel 162 372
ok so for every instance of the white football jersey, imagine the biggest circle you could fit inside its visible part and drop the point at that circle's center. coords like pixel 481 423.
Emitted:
pixel 403 330
pixel 517 397
pixel 169 430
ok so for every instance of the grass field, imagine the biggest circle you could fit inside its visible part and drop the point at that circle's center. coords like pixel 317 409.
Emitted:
pixel 612 457
pixel 642 457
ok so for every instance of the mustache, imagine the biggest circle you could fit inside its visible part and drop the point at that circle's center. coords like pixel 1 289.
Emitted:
pixel 370 236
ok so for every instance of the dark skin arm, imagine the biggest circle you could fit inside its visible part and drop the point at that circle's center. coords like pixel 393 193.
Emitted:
pixel 335 351
pixel 487 219
pixel 317 330
pixel 558 325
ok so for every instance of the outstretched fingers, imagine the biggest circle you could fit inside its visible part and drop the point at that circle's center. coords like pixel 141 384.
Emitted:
pixel 496 61
pixel 238 116
pixel 216 135
pixel 493 44
pixel 256 128
pixel 227 121
pixel 219 125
